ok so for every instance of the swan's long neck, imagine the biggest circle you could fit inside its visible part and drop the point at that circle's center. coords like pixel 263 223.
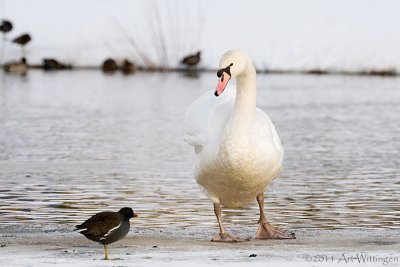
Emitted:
pixel 238 127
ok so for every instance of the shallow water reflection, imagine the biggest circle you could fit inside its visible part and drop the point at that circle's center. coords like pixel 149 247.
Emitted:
pixel 74 143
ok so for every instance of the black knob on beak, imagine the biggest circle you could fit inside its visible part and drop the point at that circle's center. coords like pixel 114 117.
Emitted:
pixel 226 69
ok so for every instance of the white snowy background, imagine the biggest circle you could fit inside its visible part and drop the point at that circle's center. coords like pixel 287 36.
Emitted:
pixel 339 35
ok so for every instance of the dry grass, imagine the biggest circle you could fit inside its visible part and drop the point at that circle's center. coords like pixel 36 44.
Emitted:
pixel 174 29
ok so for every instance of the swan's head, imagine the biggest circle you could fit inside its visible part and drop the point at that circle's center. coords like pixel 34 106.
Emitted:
pixel 232 64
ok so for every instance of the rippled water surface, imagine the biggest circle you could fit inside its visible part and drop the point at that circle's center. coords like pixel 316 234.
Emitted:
pixel 74 143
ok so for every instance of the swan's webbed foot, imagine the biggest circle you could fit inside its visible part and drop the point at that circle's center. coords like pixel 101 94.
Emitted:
pixel 225 237
pixel 268 231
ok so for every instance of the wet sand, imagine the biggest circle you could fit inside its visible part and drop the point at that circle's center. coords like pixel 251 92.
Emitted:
pixel 57 245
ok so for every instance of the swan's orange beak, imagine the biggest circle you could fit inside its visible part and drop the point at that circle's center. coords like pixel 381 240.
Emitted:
pixel 222 82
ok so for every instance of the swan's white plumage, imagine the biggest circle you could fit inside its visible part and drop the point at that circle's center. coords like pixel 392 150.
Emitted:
pixel 207 116
pixel 232 168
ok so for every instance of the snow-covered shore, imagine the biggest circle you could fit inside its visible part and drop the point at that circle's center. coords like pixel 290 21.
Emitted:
pixel 56 245
pixel 335 35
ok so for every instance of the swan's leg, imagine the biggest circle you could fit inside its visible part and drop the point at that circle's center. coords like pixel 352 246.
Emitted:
pixel 223 236
pixel 266 230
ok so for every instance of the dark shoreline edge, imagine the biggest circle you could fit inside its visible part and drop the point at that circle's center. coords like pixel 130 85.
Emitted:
pixel 389 72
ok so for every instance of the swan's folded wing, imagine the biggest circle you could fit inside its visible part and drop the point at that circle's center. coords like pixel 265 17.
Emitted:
pixel 206 117
pixel 265 130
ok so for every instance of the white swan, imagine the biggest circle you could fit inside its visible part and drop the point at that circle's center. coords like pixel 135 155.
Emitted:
pixel 238 149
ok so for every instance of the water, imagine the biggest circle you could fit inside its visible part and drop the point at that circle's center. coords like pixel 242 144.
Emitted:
pixel 74 143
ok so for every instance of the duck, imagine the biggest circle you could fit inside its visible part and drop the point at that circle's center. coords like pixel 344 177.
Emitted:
pixel 107 227
pixel 22 40
pixel 192 60
pixel 16 67
pixel 109 65
pixel 5 26
pixel 50 64
pixel 239 152
pixel 128 67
